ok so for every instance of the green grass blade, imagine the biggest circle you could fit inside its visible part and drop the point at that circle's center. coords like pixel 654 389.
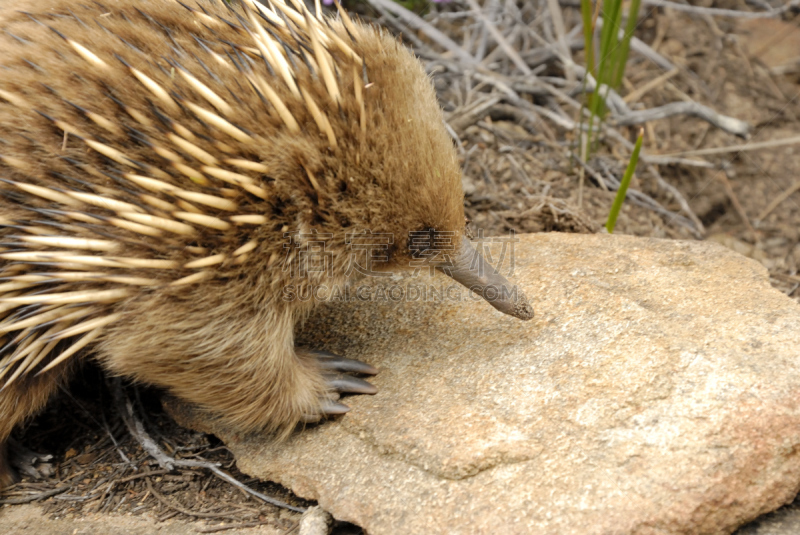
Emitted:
pixel 624 183
pixel 588 31
pixel 625 45
pixel 587 14
pixel 609 35
pixel 612 10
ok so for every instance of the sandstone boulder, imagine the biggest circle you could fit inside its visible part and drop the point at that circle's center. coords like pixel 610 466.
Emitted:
pixel 656 391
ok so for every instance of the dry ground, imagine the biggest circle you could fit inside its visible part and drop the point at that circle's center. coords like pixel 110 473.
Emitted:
pixel 518 175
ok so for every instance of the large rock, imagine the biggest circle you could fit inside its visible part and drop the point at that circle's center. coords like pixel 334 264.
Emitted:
pixel 656 391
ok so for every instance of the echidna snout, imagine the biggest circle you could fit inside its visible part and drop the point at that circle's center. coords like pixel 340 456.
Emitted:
pixel 163 168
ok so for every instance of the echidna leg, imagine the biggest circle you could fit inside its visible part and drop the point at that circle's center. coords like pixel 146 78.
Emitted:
pixel 233 359
pixel 19 400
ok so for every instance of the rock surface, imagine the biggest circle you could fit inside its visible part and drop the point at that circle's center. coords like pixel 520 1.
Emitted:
pixel 656 391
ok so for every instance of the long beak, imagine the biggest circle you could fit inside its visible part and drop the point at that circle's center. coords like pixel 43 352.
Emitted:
pixel 473 271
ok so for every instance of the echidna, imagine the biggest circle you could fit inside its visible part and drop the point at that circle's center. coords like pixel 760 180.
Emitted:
pixel 154 158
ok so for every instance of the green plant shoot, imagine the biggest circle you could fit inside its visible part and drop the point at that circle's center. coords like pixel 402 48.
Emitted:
pixel 608 67
pixel 623 184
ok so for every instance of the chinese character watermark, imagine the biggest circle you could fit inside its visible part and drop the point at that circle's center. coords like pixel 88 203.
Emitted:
pixel 309 254
pixel 368 248
pixel 306 254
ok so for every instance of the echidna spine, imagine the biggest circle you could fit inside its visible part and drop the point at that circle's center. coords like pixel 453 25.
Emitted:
pixel 70 268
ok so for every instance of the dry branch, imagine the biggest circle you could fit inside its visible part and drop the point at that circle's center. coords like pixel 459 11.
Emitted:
pixel 699 10
pixel 723 122
pixel 418 23
pixel 136 429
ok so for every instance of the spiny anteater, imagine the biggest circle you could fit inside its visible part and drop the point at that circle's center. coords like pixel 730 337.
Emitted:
pixel 155 156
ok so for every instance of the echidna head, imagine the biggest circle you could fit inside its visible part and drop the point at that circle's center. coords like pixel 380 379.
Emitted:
pixel 393 178
pixel 397 176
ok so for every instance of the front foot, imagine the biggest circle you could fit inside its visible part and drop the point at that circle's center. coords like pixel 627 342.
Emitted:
pixel 27 462
pixel 336 371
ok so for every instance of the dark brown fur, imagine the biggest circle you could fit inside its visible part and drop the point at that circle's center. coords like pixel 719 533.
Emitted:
pixel 225 343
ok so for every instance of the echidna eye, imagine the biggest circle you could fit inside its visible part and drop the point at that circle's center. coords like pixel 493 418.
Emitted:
pixel 420 241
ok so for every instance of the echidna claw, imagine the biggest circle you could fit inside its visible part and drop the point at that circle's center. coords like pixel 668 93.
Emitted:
pixel 333 408
pixel 335 370
pixel 347 384
pixel 310 418
pixel 333 362
pixel 328 407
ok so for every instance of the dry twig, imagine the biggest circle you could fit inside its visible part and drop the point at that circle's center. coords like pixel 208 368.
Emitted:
pixel 699 10
pixel 137 430
pixel 501 41
pixel 794 140
pixel 777 201
pixel 417 23
pixel 36 497
pixel 723 177
pixel 723 122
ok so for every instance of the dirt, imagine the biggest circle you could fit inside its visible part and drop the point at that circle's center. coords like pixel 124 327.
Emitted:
pixel 518 175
